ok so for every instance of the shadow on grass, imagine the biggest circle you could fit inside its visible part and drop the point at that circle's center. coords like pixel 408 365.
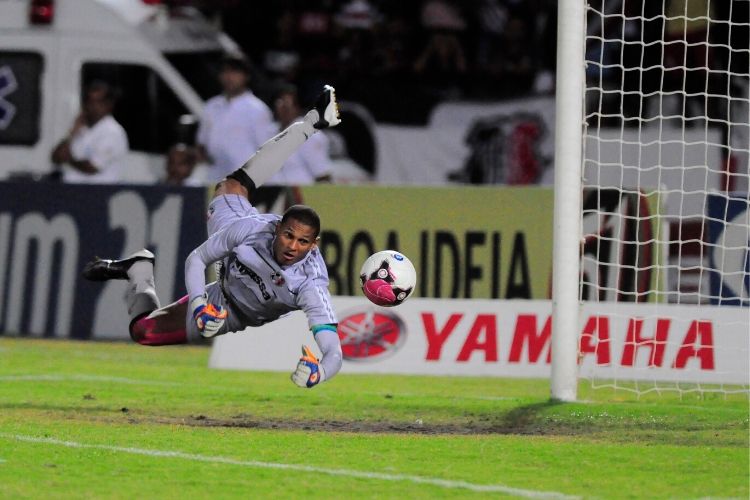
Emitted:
pixel 526 420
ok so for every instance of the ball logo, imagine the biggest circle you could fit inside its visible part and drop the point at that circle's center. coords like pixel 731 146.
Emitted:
pixel 398 256
pixel 368 334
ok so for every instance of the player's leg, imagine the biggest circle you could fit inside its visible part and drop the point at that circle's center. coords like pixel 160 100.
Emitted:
pixel 273 153
pixel 138 269
pixel 149 324
pixel 230 202
pixel 164 326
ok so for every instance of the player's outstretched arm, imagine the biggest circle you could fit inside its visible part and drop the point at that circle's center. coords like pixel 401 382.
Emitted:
pixel 310 371
pixel 212 250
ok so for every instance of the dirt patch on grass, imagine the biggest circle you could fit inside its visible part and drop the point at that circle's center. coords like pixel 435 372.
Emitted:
pixel 524 420
pixel 416 427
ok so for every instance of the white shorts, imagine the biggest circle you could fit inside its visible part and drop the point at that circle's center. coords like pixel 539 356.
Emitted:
pixel 227 208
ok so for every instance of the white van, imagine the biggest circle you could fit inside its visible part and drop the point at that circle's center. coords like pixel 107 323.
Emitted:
pixel 163 62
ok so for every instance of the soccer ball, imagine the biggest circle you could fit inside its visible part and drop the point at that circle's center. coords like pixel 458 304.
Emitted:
pixel 388 278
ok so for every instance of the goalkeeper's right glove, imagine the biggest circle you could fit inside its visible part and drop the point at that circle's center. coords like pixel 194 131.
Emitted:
pixel 208 317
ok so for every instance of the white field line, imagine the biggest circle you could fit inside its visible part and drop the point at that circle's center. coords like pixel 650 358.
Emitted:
pixel 443 483
pixel 52 377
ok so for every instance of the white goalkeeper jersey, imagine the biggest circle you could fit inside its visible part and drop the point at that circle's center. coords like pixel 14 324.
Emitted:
pixel 256 288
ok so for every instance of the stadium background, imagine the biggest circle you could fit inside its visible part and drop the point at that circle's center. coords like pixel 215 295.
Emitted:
pixel 492 242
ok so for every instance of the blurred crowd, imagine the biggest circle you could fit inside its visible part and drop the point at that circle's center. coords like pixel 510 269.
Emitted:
pixel 639 51
pixel 400 58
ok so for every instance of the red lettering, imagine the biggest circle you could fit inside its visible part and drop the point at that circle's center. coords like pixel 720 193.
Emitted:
pixel 526 332
pixel 634 341
pixel 702 349
pixel 484 323
pixel 600 326
pixel 435 338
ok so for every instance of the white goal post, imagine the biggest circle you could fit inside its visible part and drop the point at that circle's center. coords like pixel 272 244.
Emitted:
pixel 652 218
pixel 570 81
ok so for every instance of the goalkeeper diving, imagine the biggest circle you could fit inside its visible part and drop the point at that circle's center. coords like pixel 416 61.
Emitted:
pixel 268 265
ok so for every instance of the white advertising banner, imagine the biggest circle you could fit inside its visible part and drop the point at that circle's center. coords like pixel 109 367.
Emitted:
pixel 426 155
pixel 510 338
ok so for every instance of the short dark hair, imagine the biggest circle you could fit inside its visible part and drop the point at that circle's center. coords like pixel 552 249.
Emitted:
pixel 110 93
pixel 304 215
pixel 181 147
pixel 287 88
pixel 236 62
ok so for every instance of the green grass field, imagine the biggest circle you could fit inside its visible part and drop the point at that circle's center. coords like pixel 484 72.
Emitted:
pixel 117 420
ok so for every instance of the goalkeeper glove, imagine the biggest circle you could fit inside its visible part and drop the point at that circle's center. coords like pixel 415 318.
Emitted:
pixel 208 317
pixel 309 373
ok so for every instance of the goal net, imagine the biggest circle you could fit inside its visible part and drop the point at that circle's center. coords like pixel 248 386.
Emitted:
pixel 665 222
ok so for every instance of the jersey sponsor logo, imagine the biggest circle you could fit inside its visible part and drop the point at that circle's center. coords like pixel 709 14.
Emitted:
pixel 276 277
pixel 259 281
pixel 368 334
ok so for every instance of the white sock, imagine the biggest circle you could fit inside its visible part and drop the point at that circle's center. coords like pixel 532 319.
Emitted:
pixel 273 153
pixel 141 292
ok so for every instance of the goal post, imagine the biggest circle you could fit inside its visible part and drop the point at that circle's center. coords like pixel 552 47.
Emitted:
pixel 566 225
pixel 651 263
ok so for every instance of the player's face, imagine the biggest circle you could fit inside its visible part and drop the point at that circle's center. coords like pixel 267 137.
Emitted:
pixel 293 241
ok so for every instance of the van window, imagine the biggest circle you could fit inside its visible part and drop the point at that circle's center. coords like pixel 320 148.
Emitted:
pixel 146 107
pixel 20 97
pixel 200 70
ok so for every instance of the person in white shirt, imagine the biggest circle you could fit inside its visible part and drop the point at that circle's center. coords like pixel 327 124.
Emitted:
pixel 95 149
pixel 235 123
pixel 310 163
pixel 179 168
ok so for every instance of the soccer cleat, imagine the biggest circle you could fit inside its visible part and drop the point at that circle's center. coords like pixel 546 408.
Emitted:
pixel 106 269
pixel 327 108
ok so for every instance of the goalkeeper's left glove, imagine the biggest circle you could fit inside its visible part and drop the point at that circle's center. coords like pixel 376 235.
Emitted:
pixel 309 373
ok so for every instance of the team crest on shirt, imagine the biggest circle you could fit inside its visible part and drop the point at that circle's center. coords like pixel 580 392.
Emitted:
pixel 277 278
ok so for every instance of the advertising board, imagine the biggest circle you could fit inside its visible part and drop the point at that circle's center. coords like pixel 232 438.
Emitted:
pixel 509 338
pixel 48 232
